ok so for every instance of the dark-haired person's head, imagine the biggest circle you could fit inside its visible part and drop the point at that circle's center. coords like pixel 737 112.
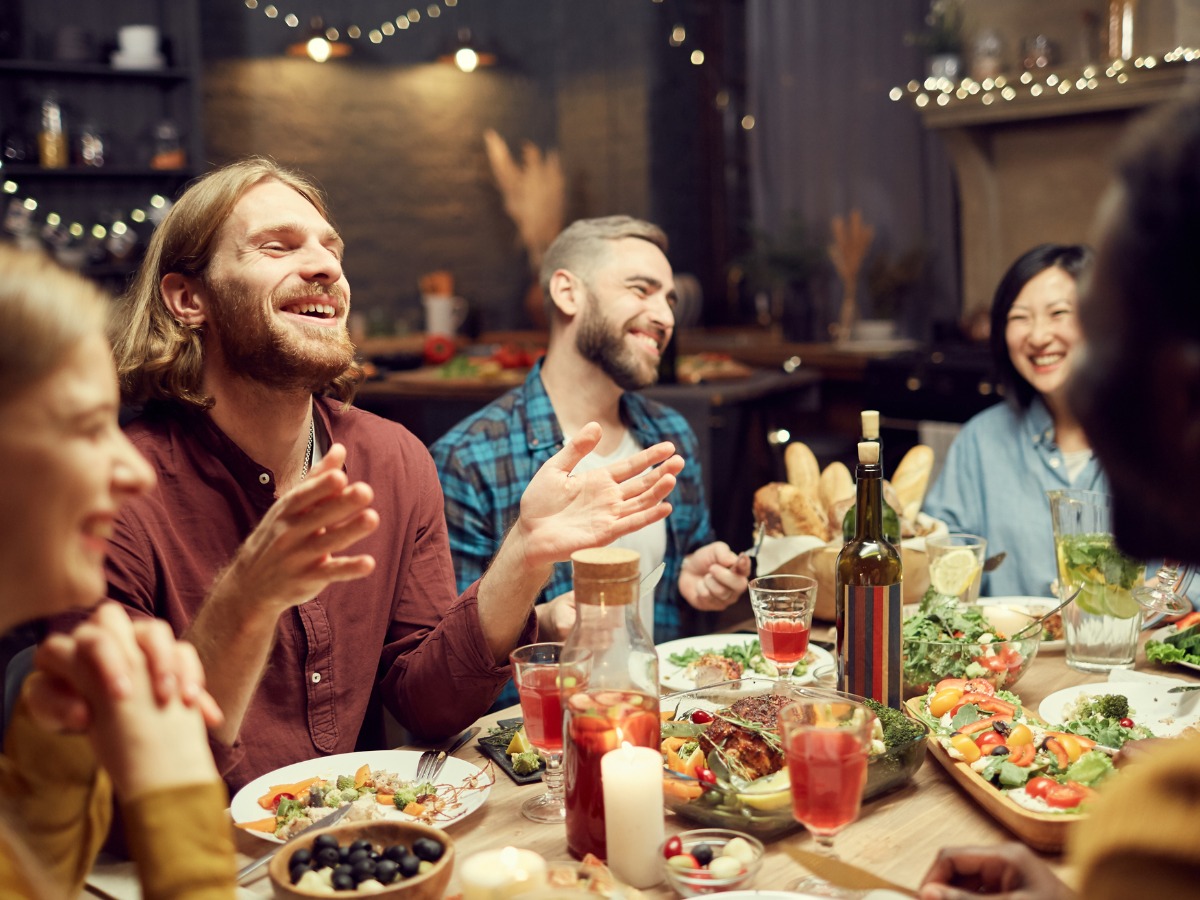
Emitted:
pixel 1137 389
pixel 1034 333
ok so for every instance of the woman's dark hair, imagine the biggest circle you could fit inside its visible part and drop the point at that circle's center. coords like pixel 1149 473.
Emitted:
pixel 1074 259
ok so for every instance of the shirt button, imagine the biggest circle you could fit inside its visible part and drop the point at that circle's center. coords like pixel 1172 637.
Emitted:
pixel 533 442
pixel 1054 463
pixel 1037 438
pixel 316 677
pixel 264 478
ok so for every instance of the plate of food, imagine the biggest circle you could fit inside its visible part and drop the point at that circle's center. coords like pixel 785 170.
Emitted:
pixel 1151 706
pixel 1053 638
pixel 1177 644
pixel 694 662
pixel 378 783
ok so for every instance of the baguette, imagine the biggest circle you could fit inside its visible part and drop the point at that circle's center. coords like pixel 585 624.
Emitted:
pixel 835 489
pixel 911 478
pixel 803 472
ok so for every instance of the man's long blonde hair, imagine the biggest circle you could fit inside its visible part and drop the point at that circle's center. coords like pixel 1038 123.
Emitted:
pixel 158 357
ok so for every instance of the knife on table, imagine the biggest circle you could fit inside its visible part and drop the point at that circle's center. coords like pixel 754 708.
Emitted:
pixel 842 874
pixel 324 822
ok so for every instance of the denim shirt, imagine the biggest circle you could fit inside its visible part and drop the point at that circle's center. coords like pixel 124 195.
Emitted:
pixel 994 484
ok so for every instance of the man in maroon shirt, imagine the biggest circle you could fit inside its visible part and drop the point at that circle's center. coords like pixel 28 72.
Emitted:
pixel 234 339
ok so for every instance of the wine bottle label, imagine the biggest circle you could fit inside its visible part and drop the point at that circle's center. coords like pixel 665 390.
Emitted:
pixel 868 642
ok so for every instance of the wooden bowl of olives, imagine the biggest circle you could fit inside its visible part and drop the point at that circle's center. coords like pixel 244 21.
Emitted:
pixel 388 858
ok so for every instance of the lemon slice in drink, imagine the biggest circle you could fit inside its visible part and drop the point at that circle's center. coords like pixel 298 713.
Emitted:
pixel 519 743
pixel 770 792
pixel 952 573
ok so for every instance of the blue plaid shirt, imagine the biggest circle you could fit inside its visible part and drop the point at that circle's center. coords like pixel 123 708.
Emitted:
pixel 486 461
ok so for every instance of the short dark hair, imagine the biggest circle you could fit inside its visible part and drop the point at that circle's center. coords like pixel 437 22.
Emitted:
pixel 1075 260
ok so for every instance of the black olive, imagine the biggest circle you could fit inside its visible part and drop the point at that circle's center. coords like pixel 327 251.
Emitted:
pixel 301 857
pixel 427 849
pixel 703 854
pixel 409 865
pixel 356 855
pixel 386 871
pixel 360 844
pixel 324 840
pixel 344 854
pixel 999 750
pixel 395 852
pixel 364 869
pixel 327 857
pixel 296 872
pixel 1002 728
pixel 343 883
pixel 343 869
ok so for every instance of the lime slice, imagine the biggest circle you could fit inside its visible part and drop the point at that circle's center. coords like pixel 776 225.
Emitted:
pixel 519 743
pixel 770 792
pixel 952 573
pixel 1121 603
pixel 1091 598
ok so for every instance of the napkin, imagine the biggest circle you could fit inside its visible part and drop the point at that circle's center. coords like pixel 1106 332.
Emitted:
pixel 776 551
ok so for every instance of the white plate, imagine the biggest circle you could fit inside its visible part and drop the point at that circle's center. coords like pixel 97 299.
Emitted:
pixel 1161 635
pixel 244 806
pixel 1035 606
pixel 1163 713
pixel 674 678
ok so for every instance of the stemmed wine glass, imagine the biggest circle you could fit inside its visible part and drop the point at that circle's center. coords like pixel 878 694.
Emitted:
pixel 536 674
pixel 825 743
pixel 783 610
pixel 1162 598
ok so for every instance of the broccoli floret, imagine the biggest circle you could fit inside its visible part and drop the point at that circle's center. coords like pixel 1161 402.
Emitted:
pixel 345 782
pixel 526 763
pixel 898 729
pixel 350 795
pixel 1111 706
pixel 688 749
pixel 404 796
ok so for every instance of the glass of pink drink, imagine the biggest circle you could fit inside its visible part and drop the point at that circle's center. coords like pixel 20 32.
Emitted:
pixel 783 610
pixel 825 743
pixel 538 680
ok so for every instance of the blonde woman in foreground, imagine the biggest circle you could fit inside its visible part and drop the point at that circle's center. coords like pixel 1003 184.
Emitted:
pixel 112 706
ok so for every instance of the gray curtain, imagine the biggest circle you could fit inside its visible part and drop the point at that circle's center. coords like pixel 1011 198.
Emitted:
pixel 828 139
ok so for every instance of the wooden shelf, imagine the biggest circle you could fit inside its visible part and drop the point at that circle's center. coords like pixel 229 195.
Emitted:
pixel 10 170
pixel 43 68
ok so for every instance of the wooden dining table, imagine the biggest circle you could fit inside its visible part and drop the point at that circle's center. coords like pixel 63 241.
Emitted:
pixel 896 836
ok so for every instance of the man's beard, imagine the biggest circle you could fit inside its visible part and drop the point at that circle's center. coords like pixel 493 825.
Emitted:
pixel 257 347
pixel 605 347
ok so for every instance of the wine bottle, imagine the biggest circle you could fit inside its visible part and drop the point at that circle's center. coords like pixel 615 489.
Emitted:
pixel 869 594
pixel 891 519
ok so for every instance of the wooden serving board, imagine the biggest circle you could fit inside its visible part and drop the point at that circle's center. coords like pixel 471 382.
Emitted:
pixel 1042 831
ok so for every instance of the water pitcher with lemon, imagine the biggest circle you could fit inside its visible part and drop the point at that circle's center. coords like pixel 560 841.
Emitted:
pixel 956 565
pixel 1102 624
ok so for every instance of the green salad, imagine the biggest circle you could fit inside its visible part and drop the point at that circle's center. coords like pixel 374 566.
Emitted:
pixel 944 639
pixel 1181 647
pixel 748 654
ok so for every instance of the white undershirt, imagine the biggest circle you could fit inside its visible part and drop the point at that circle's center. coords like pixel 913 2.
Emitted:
pixel 650 542
pixel 1075 461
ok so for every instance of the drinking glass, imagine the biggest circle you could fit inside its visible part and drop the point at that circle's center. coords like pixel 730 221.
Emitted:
pixel 783 610
pixel 1163 598
pixel 1102 624
pixel 537 677
pixel 825 743
pixel 956 565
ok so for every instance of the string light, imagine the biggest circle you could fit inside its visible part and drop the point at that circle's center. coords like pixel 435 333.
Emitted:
pixel 1029 85
pixel 375 34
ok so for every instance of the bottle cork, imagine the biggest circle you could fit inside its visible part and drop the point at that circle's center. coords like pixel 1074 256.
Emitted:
pixel 870 424
pixel 868 452
pixel 606 575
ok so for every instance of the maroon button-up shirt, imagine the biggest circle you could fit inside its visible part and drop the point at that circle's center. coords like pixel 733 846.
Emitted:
pixel 400 637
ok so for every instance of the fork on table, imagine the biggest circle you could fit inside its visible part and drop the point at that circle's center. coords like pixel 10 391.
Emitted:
pixel 429 766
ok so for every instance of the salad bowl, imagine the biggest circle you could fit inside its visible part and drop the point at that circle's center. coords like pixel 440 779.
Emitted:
pixel 759 806
pixel 944 640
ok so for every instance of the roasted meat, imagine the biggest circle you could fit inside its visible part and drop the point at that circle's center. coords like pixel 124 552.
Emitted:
pixel 747 752
pixel 711 668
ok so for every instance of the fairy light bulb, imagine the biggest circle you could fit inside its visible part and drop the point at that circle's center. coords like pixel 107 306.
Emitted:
pixel 466 59
pixel 318 49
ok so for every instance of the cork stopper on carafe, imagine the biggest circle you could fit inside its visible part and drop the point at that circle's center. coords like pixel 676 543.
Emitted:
pixel 606 575
pixel 868 453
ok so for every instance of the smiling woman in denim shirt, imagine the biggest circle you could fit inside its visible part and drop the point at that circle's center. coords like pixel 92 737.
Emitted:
pixel 1001 464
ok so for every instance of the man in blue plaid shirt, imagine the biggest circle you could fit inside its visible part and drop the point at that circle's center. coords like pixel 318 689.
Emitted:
pixel 610 295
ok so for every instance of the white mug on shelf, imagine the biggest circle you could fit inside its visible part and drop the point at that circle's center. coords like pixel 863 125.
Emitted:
pixel 138 40
pixel 443 314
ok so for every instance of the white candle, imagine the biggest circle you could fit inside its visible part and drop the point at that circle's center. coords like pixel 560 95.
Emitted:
pixel 633 813
pixel 499 874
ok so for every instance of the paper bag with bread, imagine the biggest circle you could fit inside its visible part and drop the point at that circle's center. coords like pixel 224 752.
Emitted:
pixel 803 519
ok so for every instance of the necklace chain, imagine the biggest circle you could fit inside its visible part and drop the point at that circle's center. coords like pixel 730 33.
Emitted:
pixel 308 454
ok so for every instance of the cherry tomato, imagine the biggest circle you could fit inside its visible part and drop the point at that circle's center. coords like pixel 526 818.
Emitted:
pixel 993 663
pixel 282 795
pixel 701 716
pixel 989 739
pixel 944 700
pixel 1039 786
pixel 966 747
pixel 438 349
pixel 1071 745
pixel 1066 796
pixel 1126 722
pixel 673 846
pixel 1019 736
pixel 979 686
pixel 706 776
